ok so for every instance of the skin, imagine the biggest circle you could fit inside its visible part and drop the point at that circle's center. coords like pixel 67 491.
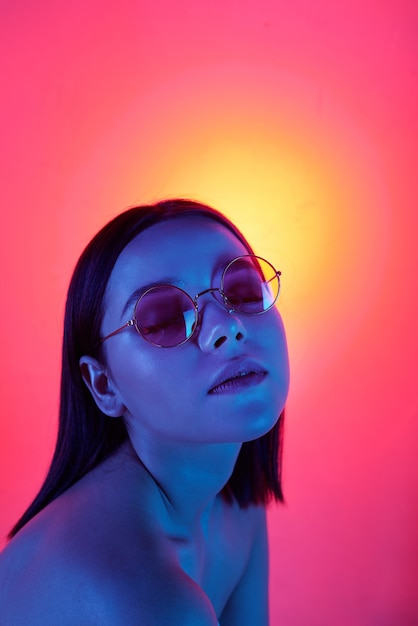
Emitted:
pixel 138 540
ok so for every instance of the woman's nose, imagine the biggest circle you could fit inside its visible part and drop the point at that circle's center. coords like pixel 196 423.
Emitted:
pixel 219 327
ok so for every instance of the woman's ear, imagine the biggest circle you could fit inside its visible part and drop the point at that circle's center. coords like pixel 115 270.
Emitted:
pixel 97 380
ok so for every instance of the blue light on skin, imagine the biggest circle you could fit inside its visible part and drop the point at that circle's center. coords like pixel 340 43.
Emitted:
pixel 146 532
pixel 163 393
pixel 187 438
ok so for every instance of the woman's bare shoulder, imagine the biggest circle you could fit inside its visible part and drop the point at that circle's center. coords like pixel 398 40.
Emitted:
pixel 82 560
pixel 47 579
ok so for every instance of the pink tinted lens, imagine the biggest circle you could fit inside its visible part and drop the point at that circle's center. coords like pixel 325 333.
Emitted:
pixel 165 316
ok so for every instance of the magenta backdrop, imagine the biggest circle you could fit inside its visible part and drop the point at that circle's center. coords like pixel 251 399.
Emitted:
pixel 299 119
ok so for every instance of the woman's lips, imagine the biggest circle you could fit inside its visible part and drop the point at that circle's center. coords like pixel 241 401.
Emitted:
pixel 240 382
pixel 238 375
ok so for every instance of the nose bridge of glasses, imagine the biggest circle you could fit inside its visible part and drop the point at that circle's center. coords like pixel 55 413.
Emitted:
pixel 217 295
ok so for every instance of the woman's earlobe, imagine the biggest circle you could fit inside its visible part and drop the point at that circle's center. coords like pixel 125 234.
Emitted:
pixel 100 387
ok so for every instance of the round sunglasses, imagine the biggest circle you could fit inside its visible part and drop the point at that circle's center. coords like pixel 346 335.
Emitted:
pixel 166 316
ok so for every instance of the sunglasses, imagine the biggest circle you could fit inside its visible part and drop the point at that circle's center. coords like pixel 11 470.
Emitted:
pixel 166 316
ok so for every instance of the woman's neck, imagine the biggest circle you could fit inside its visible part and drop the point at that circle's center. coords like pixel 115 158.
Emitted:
pixel 185 479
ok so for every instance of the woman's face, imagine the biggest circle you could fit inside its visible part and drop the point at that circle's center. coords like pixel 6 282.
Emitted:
pixel 175 393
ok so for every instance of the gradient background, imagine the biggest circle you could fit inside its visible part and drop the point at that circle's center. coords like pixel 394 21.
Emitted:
pixel 299 120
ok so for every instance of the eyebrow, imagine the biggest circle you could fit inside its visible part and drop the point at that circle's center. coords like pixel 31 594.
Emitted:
pixel 131 301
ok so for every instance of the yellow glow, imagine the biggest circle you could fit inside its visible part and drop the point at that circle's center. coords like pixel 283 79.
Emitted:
pixel 300 181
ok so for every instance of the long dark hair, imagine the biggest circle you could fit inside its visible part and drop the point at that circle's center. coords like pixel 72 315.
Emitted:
pixel 86 436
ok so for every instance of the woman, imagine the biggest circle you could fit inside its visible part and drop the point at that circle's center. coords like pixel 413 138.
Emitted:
pixel 169 444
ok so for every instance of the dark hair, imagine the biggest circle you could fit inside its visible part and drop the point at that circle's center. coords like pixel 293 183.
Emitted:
pixel 86 436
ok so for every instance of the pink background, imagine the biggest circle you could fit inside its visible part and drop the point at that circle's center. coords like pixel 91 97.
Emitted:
pixel 299 120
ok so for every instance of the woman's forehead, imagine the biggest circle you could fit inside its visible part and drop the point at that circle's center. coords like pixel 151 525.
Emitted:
pixel 186 243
